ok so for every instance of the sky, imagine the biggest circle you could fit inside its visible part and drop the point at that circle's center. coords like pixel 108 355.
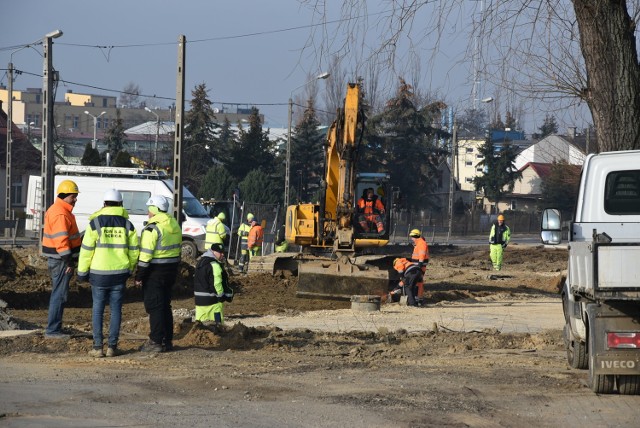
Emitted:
pixel 247 52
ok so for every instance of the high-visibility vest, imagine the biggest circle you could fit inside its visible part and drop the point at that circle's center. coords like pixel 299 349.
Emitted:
pixel 216 232
pixel 110 244
pixel 256 236
pixel 420 250
pixel 243 231
pixel 161 241
pixel 60 238
pixel 371 206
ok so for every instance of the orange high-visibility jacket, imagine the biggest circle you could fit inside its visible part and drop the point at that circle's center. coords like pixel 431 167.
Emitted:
pixel 420 250
pixel 368 207
pixel 256 235
pixel 61 238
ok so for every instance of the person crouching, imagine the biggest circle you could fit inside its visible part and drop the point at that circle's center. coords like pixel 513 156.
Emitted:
pixel 211 286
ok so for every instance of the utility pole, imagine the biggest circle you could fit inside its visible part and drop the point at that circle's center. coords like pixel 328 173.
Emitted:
pixel 178 149
pixel 454 160
pixel 48 160
pixel 7 203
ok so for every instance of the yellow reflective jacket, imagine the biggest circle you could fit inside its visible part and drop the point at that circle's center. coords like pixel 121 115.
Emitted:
pixel 216 232
pixel 161 241
pixel 110 244
pixel 243 232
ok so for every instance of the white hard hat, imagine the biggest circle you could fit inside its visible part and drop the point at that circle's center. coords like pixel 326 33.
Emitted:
pixel 112 195
pixel 159 201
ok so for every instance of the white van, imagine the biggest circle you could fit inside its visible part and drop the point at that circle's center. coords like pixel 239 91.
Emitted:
pixel 136 186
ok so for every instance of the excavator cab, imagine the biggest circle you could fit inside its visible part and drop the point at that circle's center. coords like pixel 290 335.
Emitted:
pixel 373 203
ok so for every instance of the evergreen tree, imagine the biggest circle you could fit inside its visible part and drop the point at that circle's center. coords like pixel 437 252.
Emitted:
pixel 217 184
pixel 123 160
pixel 226 140
pixel 307 155
pixel 402 142
pixel 549 126
pixel 258 188
pixel 199 139
pixel 91 156
pixel 500 173
pixel 510 121
pixel 560 187
pixel 115 138
pixel 253 150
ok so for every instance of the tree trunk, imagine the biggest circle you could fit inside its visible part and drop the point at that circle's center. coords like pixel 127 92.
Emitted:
pixel 613 76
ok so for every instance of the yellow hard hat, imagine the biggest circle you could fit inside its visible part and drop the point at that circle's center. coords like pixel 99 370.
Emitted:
pixel 221 216
pixel 501 217
pixel 67 186
pixel 249 217
pixel 415 233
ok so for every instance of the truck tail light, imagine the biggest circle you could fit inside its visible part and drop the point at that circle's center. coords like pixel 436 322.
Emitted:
pixel 623 340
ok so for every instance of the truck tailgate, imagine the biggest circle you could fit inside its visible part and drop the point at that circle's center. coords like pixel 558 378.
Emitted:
pixel 618 267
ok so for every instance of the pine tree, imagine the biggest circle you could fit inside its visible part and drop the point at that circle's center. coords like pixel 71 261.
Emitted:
pixel 402 142
pixel 307 156
pixel 549 126
pixel 500 173
pixel 225 142
pixel 258 188
pixel 560 187
pixel 253 149
pixel 123 159
pixel 91 156
pixel 217 184
pixel 199 139
pixel 115 138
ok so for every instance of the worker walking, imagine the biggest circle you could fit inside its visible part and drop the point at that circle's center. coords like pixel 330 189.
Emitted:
pixel 420 256
pixel 498 241
pixel 256 236
pixel 160 249
pixel 61 242
pixel 410 277
pixel 211 286
pixel 108 257
pixel 370 209
pixel 216 231
pixel 243 233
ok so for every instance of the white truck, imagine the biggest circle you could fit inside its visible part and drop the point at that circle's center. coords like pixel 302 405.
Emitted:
pixel 136 186
pixel 601 293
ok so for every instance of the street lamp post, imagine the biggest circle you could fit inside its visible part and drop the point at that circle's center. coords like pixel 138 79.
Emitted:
pixel 288 160
pixel 94 143
pixel 155 152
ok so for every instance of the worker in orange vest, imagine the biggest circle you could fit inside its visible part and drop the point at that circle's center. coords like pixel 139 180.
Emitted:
pixel 256 236
pixel 370 209
pixel 410 277
pixel 420 256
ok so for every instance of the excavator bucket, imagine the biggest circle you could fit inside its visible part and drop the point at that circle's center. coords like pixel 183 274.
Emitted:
pixel 340 280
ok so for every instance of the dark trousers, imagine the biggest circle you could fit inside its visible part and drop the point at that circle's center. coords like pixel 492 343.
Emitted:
pixel 157 290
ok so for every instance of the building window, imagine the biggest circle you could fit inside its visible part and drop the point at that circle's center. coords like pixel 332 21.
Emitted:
pixel 468 163
pixel 105 123
pixel 513 205
pixel 479 157
pixel 469 149
pixel 38 99
pixel 76 119
pixel 468 179
pixel 16 193
pixel 104 102
pixel 479 169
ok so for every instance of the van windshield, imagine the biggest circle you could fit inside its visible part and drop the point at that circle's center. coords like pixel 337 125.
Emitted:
pixel 193 208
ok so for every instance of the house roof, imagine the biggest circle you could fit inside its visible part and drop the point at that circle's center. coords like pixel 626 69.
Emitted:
pixel 542 169
pixel 24 156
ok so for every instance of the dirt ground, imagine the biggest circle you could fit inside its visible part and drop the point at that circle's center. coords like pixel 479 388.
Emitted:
pixel 285 361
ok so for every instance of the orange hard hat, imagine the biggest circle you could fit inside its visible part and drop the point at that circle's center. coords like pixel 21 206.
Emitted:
pixel 501 217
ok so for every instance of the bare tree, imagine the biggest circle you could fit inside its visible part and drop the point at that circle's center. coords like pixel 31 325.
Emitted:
pixel 130 95
pixel 561 53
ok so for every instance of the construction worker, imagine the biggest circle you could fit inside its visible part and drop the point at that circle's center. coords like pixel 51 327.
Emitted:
pixel 243 232
pixel 420 256
pixel 410 277
pixel 160 249
pixel 254 241
pixel 108 257
pixel 281 245
pixel 211 286
pixel 216 231
pixel 370 209
pixel 498 240
pixel 61 243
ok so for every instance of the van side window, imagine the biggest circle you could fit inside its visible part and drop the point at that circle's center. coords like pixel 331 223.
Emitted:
pixel 135 202
pixel 622 193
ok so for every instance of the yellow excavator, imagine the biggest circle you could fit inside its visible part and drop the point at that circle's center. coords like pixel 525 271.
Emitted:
pixel 338 240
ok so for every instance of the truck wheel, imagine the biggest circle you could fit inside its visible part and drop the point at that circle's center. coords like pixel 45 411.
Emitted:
pixel 577 355
pixel 189 249
pixel 600 384
pixel 629 384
